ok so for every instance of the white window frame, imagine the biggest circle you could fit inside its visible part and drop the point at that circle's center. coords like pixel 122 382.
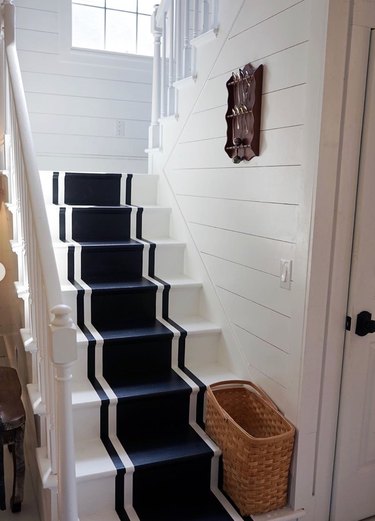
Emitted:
pixel 93 56
pixel 106 9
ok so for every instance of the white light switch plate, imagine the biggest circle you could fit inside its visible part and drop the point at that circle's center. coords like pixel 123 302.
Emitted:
pixel 285 273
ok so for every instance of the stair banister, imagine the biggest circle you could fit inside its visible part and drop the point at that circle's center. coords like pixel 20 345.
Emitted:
pixel 42 230
pixel 56 343
pixel 175 25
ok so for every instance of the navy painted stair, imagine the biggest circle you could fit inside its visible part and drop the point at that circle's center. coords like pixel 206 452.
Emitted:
pixel 172 479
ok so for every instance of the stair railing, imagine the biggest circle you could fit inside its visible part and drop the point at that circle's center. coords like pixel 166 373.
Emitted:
pixel 177 26
pixel 51 333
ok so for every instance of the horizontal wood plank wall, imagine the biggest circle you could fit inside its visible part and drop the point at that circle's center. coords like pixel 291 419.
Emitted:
pixel 86 113
pixel 245 218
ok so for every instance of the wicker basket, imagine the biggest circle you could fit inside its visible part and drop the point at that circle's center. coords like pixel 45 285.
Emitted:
pixel 257 444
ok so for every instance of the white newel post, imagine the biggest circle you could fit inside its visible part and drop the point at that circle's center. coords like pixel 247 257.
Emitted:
pixel 156 83
pixel 64 354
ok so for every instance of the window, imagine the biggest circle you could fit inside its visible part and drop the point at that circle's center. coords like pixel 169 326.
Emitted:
pixel 113 25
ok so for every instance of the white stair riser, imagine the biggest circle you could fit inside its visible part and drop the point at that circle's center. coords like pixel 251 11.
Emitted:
pixel 86 422
pixel 144 189
pixel 202 349
pixel 155 223
pixel 169 260
pixel 184 301
pixel 96 495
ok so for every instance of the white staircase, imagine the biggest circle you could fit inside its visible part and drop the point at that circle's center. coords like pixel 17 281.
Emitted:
pixel 95 470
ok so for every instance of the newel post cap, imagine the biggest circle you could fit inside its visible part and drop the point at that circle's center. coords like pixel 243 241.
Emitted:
pixel 64 336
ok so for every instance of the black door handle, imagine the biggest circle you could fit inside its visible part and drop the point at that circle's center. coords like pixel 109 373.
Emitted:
pixel 364 324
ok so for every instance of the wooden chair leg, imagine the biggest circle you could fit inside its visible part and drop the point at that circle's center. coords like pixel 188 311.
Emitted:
pixel 2 483
pixel 18 470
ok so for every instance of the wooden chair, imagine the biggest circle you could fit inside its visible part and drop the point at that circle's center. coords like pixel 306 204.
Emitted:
pixel 12 426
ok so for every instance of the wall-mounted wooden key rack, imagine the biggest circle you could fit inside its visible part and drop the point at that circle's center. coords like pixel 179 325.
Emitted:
pixel 243 114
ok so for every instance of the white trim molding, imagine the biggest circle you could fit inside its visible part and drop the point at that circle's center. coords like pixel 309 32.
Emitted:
pixel 350 24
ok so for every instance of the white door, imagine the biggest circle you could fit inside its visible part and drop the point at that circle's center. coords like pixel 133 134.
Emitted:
pixel 354 480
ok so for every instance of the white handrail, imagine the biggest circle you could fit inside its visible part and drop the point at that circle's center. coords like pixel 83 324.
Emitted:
pixel 51 329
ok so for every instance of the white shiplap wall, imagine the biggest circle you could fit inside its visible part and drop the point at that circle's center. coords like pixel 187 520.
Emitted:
pixel 76 98
pixel 245 218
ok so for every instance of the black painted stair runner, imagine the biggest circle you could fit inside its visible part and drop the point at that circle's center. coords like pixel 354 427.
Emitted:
pixel 171 481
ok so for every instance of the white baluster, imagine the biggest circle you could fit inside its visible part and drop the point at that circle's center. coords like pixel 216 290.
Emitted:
pixel 64 354
pixel 196 33
pixel 215 15
pixel 187 46
pixel 206 15
pixel 156 84
pixel 171 64
pixel 196 18
pixel 179 40
pixel 164 79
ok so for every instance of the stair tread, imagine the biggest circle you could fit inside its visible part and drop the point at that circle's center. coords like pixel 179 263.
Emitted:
pixel 84 395
pixel 149 330
pixel 182 280
pixel 100 516
pixel 175 281
pixel 137 284
pixel 92 459
pixel 111 244
pixel 115 207
pixel 194 325
pixel 148 450
pixel 212 373
pixel 150 386
pixel 98 244
pixel 93 174
pixel 208 508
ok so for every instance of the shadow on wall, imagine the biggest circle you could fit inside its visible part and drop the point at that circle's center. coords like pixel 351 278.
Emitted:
pixel 10 305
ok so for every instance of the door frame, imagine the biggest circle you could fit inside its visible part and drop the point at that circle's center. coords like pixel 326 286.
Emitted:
pixel 352 20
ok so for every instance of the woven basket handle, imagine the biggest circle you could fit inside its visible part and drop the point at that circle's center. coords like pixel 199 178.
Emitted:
pixel 245 383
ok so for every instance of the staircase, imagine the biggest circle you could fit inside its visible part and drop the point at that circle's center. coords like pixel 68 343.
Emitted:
pixel 141 451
